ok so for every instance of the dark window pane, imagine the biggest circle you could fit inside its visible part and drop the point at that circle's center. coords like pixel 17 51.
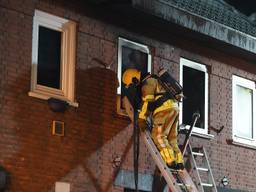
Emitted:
pixel 194 90
pixel 132 58
pixel 135 59
pixel 49 51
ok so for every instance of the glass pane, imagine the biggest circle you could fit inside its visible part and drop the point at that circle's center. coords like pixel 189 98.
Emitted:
pixel 49 52
pixel 132 58
pixel 244 114
pixel 194 91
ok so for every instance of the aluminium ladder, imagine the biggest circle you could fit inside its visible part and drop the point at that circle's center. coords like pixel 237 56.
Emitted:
pixel 202 168
pixel 171 176
pixel 180 180
pixel 185 184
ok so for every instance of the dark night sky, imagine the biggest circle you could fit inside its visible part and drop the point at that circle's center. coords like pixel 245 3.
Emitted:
pixel 246 7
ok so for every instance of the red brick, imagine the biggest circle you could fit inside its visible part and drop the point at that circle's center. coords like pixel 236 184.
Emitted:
pixel 95 134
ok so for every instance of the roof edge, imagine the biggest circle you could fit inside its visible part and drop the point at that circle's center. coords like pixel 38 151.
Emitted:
pixel 165 10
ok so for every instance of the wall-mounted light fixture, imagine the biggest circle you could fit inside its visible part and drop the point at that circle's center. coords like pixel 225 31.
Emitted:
pixel 225 181
pixel 57 105
pixel 116 161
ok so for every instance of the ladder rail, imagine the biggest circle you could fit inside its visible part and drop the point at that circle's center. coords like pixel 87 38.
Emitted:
pixel 167 174
pixel 196 116
pixel 170 180
pixel 210 176
pixel 187 180
pixel 206 168
pixel 200 187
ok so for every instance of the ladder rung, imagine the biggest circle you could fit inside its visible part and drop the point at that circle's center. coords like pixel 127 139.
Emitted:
pixel 198 154
pixel 184 185
pixel 175 171
pixel 202 169
pixel 207 184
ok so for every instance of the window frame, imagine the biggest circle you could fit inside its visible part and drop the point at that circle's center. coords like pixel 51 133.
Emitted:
pixel 243 82
pixel 203 68
pixel 68 55
pixel 133 45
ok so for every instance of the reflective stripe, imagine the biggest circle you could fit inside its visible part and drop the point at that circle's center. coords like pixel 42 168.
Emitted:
pixel 145 105
pixel 143 110
pixel 166 105
pixel 148 98
pixel 179 158
pixel 167 155
pixel 158 96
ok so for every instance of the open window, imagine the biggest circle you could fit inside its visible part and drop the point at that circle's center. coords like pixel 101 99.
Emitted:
pixel 194 79
pixel 130 55
pixel 53 57
pixel 244 114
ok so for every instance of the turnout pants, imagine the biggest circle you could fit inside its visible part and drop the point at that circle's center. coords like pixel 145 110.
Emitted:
pixel 164 135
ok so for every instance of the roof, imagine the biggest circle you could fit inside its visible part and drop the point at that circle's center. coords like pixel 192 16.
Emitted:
pixel 212 18
pixel 219 11
pixel 216 10
pixel 212 23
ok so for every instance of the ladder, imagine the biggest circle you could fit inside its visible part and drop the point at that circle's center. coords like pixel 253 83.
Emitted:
pixel 201 165
pixel 177 181
pixel 184 182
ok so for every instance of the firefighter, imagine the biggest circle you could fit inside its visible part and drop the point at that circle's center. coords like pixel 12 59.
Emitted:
pixel 164 116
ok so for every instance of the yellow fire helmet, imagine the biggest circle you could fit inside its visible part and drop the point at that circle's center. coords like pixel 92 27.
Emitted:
pixel 129 74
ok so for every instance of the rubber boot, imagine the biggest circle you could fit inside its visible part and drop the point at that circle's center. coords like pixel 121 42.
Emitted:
pixel 168 156
pixel 179 161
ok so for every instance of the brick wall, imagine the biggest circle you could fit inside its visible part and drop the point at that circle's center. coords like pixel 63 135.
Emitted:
pixel 95 134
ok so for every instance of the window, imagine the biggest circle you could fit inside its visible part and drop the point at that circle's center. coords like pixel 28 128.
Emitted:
pixel 194 79
pixel 53 57
pixel 243 110
pixel 131 55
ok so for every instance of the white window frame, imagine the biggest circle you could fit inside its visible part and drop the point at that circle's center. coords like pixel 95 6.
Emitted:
pixel 236 80
pixel 68 54
pixel 203 68
pixel 132 45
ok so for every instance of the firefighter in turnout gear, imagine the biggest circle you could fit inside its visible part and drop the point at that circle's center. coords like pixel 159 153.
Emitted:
pixel 164 112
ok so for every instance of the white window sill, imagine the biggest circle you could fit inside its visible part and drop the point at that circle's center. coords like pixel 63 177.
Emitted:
pixel 203 135
pixel 251 146
pixel 46 97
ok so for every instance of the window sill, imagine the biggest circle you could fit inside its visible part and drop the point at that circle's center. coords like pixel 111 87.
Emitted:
pixel 46 97
pixel 232 142
pixel 203 135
